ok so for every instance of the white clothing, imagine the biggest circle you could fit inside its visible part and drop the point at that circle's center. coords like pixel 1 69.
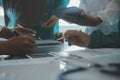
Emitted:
pixel 107 10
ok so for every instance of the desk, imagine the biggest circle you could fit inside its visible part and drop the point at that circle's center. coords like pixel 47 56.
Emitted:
pixel 49 68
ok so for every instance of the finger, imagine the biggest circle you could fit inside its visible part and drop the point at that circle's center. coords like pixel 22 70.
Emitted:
pixel 26 30
pixel 29 39
pixel 32 40
pixel 29 45
pixel 51 22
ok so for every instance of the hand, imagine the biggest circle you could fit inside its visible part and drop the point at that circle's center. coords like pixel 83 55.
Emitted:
pixel 59 35
pixel 51 22
pixel 77 38
pixel 19 45
pixel 7 33
pixel 84 20
pixel 25 31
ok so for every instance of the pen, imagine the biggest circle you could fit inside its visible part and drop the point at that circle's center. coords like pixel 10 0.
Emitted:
pixel 62 37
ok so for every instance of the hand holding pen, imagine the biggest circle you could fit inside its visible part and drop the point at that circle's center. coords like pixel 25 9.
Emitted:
pixel 19 30
pixel 17 43
pixel 60 37
pixel 76 37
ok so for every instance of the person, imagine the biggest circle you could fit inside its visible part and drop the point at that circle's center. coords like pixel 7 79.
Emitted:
pixel 16 44
pixel 101 18
pixel 95 40
pixel 96 15
pixel 34 14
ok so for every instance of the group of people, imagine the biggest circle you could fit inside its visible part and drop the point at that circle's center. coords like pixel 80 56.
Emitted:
pixel 101 19
pixel 103 26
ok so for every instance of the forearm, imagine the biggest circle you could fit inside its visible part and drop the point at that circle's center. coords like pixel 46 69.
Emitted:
pixel 85 20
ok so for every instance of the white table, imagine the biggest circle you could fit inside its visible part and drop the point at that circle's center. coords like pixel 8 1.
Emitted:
pixel 49 68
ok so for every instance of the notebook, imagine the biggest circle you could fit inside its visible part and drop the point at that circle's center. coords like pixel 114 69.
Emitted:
pixel 46 46
pixel 47 42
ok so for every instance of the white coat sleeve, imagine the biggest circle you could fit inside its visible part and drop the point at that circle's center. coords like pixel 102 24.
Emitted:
pixel 111 13
pixel 83 5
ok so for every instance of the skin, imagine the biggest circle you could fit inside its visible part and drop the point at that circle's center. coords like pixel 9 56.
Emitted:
pixel 77 38
pixel 51 21
pixel 17 45
pixel 6 33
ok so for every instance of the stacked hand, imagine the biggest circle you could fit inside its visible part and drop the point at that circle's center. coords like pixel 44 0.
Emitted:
pixel 7 33
pixel 51 22
pixel 85 20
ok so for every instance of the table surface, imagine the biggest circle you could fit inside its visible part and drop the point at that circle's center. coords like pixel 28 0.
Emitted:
pixel 49 68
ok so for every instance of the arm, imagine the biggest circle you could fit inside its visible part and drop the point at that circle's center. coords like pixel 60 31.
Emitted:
pixel 99 40
pixel 95 40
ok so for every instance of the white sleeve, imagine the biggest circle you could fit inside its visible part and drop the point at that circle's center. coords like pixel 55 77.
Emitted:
pixel 111 13
pixel 82 5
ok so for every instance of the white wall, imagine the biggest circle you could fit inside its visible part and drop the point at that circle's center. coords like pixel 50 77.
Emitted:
pixel 1 16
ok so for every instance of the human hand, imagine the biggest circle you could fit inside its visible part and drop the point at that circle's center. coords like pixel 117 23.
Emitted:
pixel 78 20
pixel 84 20
pixel 58 36
pixel 8 33
pixel 51 22
pixel 19 45
pixel 25 31
pixel 77 38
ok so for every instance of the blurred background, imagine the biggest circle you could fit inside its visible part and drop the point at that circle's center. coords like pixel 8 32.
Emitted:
pixel 63 24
